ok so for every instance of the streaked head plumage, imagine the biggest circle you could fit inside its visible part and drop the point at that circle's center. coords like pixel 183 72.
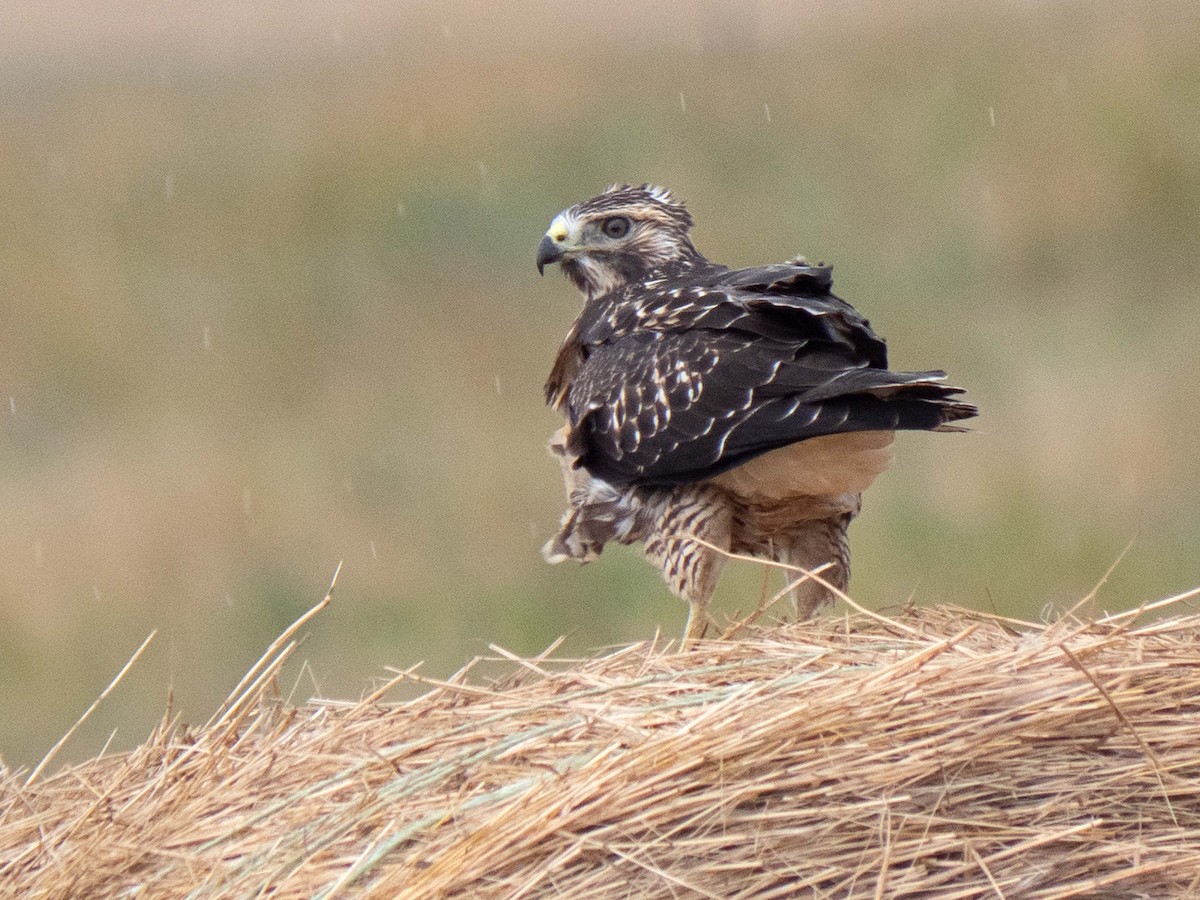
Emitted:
pixel 617 237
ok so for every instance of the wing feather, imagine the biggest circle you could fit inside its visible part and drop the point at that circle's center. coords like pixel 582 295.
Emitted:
pixel 698 373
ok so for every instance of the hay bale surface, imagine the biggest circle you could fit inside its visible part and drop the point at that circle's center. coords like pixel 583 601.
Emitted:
pixel 939 754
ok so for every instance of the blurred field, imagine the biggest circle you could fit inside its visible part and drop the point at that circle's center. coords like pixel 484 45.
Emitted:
pixel 268 302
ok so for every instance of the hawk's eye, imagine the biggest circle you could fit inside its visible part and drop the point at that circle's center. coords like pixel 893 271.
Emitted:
pixel 616 227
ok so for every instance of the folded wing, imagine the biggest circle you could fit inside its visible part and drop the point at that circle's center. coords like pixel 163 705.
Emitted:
pixel 718 373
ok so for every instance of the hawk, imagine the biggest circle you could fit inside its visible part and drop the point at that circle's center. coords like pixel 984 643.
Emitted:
pixel 711 409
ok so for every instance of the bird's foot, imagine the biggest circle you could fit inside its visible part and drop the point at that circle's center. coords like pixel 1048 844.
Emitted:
pixel 697 624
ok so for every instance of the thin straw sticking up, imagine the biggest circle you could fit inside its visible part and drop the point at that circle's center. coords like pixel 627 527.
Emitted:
pixel 49 757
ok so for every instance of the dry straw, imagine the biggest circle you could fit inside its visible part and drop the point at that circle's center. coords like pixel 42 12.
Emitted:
pixel 940 753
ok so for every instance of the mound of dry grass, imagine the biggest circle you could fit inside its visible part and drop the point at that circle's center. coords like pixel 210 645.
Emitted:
pixel 942 753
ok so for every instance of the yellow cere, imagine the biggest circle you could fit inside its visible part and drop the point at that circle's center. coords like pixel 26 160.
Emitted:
pixel 558 230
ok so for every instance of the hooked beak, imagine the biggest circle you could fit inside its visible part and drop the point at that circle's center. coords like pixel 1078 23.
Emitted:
pixel 548 252
pixel 557 242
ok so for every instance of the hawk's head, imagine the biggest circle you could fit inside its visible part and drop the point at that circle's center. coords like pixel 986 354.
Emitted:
pixel 617 238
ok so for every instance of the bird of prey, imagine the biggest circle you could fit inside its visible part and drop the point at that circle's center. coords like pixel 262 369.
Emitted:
pixel 711 409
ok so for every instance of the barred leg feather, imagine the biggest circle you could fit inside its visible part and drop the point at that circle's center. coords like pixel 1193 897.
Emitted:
pixel 690 568
pixel 815 543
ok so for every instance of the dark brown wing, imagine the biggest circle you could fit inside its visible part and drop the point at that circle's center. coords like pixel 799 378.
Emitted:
pixel 682 407
pixel 685 379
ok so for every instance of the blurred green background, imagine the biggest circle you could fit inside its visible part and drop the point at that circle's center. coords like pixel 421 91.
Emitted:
pixel 268 302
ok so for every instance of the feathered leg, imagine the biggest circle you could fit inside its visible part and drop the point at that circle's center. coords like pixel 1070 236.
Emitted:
pixel 814 543
pixel 689 567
